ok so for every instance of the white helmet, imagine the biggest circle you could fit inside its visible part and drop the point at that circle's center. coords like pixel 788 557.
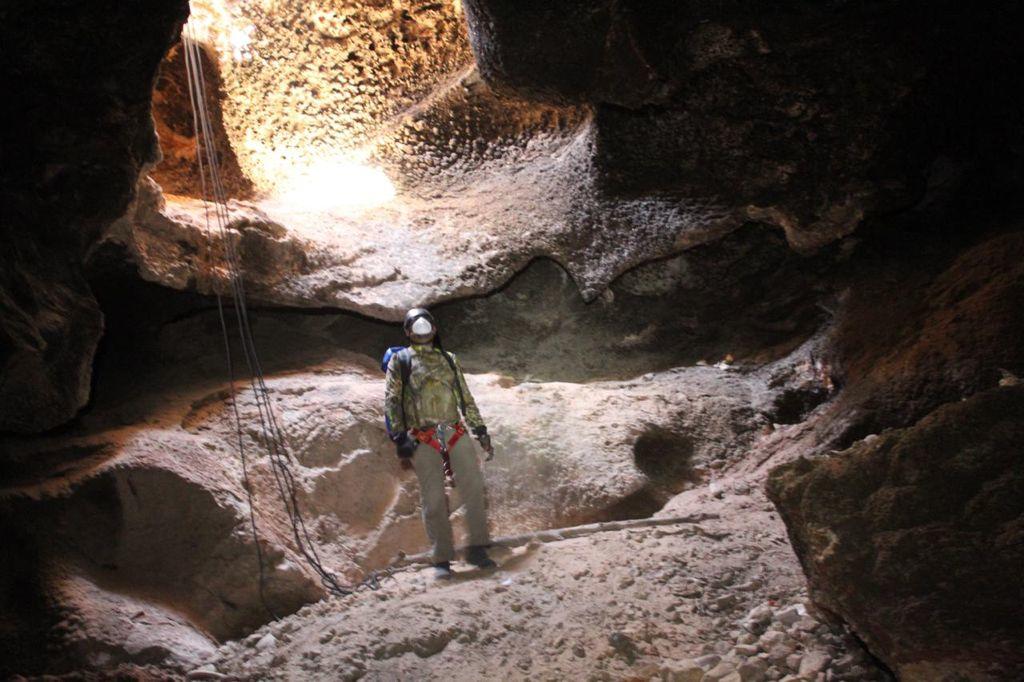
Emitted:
pixel 420 326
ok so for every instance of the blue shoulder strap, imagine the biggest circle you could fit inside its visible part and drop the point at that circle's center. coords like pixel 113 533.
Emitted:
pixel 405 369
pixel 387 356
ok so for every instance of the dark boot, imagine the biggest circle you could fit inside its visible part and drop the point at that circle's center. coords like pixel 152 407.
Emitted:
pixel 478 557
pixel 442 570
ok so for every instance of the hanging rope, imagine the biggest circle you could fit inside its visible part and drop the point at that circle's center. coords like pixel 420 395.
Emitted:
pixel 271 437
pixel 196 96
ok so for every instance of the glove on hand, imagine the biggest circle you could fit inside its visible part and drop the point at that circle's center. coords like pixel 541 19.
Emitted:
pixel 485 441
pixel 404 445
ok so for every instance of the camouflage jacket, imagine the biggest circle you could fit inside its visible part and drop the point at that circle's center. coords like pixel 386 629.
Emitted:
pixel 431 397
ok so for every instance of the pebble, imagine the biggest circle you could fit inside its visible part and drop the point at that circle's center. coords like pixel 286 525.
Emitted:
pixel 806 624
pixel 814 662
pixel 758 618
pixel 682 671
pixel 722 648
pixel 789 615
pixel 708 661
pixel 721 670
pixel 752 671
pixel 778 653
pixel 623 646
pixel 266 643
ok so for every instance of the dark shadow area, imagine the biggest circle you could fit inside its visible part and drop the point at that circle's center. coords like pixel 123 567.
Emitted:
pixel 792 406
pixel 26 620
pixel 663 456
pixel 639 505
pixel 747 295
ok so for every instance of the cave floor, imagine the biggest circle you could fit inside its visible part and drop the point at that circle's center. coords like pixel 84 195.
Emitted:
pixel 720 599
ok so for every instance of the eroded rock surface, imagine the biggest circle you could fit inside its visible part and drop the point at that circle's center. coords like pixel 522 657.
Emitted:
pixel 953 331
pixel 916 538
pixel 810 118
pixel 628 145
pixel 746 295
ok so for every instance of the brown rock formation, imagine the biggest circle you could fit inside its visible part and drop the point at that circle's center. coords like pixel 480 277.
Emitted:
pixel 178 171
pixel 916 538
pixel 924 328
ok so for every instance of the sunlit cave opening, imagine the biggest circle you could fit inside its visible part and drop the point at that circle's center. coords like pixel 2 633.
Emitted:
pixel 329 168
pixel 359 113
pixel 361 133
pixel 336 184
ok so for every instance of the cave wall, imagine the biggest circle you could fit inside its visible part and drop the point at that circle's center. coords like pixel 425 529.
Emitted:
pixel 79 81
pixel 955 328
pixel 810 117
pixel 902 497
pixel 916 537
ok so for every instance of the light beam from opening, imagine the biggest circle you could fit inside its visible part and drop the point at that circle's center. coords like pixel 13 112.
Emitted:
pixel 337 183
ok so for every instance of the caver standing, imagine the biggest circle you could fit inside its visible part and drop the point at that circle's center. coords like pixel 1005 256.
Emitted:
pixel 428 407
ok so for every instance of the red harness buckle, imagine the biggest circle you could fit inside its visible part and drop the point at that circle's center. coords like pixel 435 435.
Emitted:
pixel 429 436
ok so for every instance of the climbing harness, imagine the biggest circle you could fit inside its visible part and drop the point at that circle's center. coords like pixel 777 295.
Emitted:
pixel 271 436
pixel 437 437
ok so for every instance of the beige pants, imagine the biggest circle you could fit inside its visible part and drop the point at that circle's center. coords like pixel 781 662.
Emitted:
pixel 470 484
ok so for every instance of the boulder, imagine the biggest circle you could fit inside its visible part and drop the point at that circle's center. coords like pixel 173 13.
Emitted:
pixel 915 538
